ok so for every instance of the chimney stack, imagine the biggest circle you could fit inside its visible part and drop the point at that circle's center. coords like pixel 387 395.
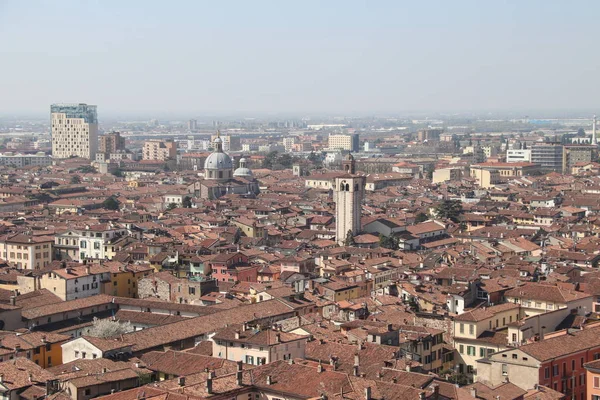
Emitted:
pixel 237 334
pixel 277 337
pixel 269 380
pixel 390 327
pixel 355 370
pixel 421 395
pixel 368 393
pixel 473 393
pixel 13 301
pixel 320 367
pixel 356 360
pixel 209 382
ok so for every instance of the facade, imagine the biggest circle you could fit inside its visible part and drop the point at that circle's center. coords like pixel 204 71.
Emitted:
pixel 93 242
pixel 192 125
pixel 523 155
pixel 27 252
pixel 349 142
pixel 257 347
pixel 427 135
pixel 442 175
pixel 74 282
pixel 348 195
pixel 17 160
pixel 575 154
pixel 475 334
pixel 557 362
pixel 74 130
pixel 506 169
pixel 159 150
pixel 111 143
pixel 537 298
pixel 548 156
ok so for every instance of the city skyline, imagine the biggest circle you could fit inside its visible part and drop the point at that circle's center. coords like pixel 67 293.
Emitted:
pixel 191 59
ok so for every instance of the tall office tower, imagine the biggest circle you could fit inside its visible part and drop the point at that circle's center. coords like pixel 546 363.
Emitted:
pixel 111 143
pixel 192 125
pixel 348 194
pixel 74 130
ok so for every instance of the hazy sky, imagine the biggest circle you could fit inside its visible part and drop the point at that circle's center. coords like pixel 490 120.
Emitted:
pixel 251 56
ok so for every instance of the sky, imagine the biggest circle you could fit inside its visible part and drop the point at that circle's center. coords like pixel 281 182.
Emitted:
pixel 194 58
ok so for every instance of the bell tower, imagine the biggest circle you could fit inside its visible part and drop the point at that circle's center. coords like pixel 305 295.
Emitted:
pixel 349 165
pixel 348 194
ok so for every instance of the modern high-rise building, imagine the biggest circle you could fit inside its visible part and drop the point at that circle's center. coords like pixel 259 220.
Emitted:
pixel 428 135
pixel 159 150
pixel 192 125
pixel 74 130
pixel 348 192
pixel 349 142
pixel 549 156
pixel 111 143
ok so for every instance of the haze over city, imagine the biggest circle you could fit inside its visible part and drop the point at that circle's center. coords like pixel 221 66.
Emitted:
pixel 187 58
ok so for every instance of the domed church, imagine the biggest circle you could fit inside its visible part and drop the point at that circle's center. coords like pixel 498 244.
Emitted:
pixel 220 179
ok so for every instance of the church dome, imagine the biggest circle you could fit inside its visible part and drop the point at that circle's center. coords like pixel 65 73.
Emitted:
pixel 218 161
pixel 243 171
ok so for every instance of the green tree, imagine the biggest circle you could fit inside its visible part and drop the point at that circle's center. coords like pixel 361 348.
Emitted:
pixel 75 179
pixel 421 217
pixel 315 160
pixel 270 159
pixel 86 169
pixel 171 206
pixel 449 209
pixel 111 204
pixel 118 173
pixel 187 202
pixel 388 242
pixel 349 241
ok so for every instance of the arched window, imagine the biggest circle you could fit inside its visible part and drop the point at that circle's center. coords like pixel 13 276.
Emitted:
pixel 347 187
pixel 220 174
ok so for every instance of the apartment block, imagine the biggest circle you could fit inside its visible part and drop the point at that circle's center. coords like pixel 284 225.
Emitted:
pixel 159 150
pixel 74 130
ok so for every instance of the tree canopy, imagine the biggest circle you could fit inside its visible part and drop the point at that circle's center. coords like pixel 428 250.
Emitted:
pixel 111 204
pixel 449 209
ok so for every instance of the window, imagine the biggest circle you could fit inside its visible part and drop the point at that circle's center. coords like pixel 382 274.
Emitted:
pixel 461 349
pixel 471 350
pixel 462 328
pixel 514 356
pixel 482 352
pixel 546 373
pixel 555 370
pixel 514 337
pixel 504 369
pixel 471 329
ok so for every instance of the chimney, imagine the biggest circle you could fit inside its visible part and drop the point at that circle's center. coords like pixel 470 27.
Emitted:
pixel 13 301
pixel 473 393
pixel 240 366
pixel 238 377
pixel 44 339
pixel 87 270
pixel 104 370
pixel 542 333
pixel 209 383
pixel 390 327
pixel 320 367
pixel 436 392
pixel 278 338
pixel 30 377
pixel 368 393
pixel 356 360
pixel 1 378
pixel 244 327
pixel 269 380
pixel 237 334
pixel 332 363
pixel 408 367
pixel 137 364
pixel 355 370
pixel 421 395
